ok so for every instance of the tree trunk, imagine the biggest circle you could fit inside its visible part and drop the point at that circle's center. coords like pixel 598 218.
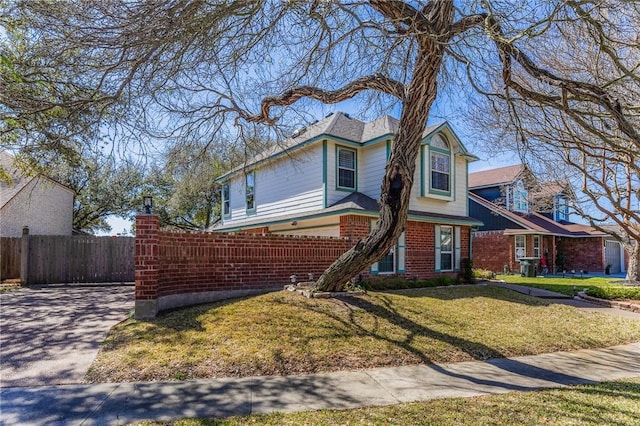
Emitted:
pixel 633 271
pixel 399 171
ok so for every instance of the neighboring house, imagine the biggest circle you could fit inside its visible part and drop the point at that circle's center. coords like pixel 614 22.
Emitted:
pixel 325 181
pixel 40 203
pixel 527 219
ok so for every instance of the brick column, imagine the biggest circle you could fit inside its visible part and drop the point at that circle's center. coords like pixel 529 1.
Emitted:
pixel 146 262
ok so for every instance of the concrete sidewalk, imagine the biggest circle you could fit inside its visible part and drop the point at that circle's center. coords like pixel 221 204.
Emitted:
pixel 553 297
pixel 531 291
pixel 107 404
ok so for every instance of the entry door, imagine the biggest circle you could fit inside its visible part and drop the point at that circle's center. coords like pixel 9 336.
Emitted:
pixel 612 255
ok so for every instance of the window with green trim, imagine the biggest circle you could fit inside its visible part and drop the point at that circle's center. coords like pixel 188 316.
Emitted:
pixel 446 248
pixel 251 190
pixel 226 201
pixel 387 265
pixel 346 160
pixel 440 165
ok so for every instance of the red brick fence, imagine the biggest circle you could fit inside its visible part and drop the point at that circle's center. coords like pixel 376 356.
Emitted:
pixel 176 269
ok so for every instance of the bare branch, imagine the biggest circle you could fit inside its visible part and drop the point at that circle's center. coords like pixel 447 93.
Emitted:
pixel 374 82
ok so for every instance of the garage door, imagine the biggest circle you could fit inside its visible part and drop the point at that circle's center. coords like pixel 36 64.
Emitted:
pixel 612 255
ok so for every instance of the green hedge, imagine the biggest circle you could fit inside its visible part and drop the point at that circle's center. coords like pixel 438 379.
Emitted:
pixel 398 283
pixel 615 293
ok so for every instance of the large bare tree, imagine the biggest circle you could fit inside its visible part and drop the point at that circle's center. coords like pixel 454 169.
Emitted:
pixel 190 67
pixel 569 137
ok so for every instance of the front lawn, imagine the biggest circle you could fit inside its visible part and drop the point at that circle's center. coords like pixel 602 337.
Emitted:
pixel 285 333
pixel 609 403
pixel 596 286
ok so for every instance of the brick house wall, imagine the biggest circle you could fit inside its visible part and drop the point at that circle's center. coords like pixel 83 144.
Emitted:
pixel 492 250
pixel 176 269
pixel 582 253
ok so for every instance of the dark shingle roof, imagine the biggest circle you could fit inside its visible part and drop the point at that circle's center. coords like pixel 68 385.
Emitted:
pixel 497 176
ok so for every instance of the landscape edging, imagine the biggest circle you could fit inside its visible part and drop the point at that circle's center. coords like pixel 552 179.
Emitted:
pixel 627 306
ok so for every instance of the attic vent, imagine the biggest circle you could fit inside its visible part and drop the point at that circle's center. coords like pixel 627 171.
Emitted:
pixel 328 115
pixel 346 115
pixel 298 132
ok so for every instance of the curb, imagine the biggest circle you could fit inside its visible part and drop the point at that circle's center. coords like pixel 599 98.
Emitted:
pixel 626 306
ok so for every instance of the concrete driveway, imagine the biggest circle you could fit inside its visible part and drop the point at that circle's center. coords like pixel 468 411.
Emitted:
pixel 50 335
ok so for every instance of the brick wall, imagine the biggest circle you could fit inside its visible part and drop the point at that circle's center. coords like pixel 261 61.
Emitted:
pixel 355 227
pixel 146 257
pixel 492 250
pixel 182 268
pixel 582 253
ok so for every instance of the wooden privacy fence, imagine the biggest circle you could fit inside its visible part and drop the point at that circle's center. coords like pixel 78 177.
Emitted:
pixel 10 257
pixel 75 259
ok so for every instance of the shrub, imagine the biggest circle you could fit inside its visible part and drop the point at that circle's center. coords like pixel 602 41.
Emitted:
pixel 483 274
pixel 615 293
pixel 467 270
pixel 398 283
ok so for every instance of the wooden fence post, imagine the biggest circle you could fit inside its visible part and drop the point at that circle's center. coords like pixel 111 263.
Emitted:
pixel 24 257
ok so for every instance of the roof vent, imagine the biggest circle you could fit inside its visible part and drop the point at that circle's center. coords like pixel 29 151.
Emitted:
pixel 346 115
pixel 328 115
pixel 298 132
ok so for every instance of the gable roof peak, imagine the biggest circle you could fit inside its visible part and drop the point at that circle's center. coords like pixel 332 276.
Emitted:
pixel 497 176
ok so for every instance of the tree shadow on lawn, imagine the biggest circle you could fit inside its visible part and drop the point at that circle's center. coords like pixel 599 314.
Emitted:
pixel 471 292
pixel 476 350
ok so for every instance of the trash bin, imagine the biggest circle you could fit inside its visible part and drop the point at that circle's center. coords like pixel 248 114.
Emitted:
pixel 528 266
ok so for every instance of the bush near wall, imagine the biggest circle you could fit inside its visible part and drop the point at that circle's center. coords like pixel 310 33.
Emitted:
pixel 615 293
pixel 399 283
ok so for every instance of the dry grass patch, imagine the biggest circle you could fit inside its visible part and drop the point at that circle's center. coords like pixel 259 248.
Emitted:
pixel 283 333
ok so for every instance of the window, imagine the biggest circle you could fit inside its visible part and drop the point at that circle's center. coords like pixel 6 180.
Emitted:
pixel 388 263
pixel 226 203
pixel 521 248
pixel 346 168
pixel 250 190
pixel 536 246
pixel 446 248
pixel 440 161
pixel 520 198
pixel 562 209
pixel 395 260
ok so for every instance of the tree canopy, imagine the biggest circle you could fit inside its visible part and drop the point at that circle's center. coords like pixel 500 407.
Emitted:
pixel 195 69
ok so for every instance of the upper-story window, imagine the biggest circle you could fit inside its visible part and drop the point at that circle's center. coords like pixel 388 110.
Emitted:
pixel 520 197
pixel 561 209
pixel 440 161
pixel 251 190
pixel 226 201
pixel 346 159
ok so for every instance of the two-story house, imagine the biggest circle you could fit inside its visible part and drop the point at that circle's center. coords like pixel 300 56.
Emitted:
pixel 325 181
pixel 525 219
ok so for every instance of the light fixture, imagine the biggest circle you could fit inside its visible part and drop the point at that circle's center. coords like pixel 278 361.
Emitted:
pixel 148 203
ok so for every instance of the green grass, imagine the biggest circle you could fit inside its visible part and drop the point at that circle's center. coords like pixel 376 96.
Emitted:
pixel 610 403
pixel 570 285
pixel 285 333
pixel 9 287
